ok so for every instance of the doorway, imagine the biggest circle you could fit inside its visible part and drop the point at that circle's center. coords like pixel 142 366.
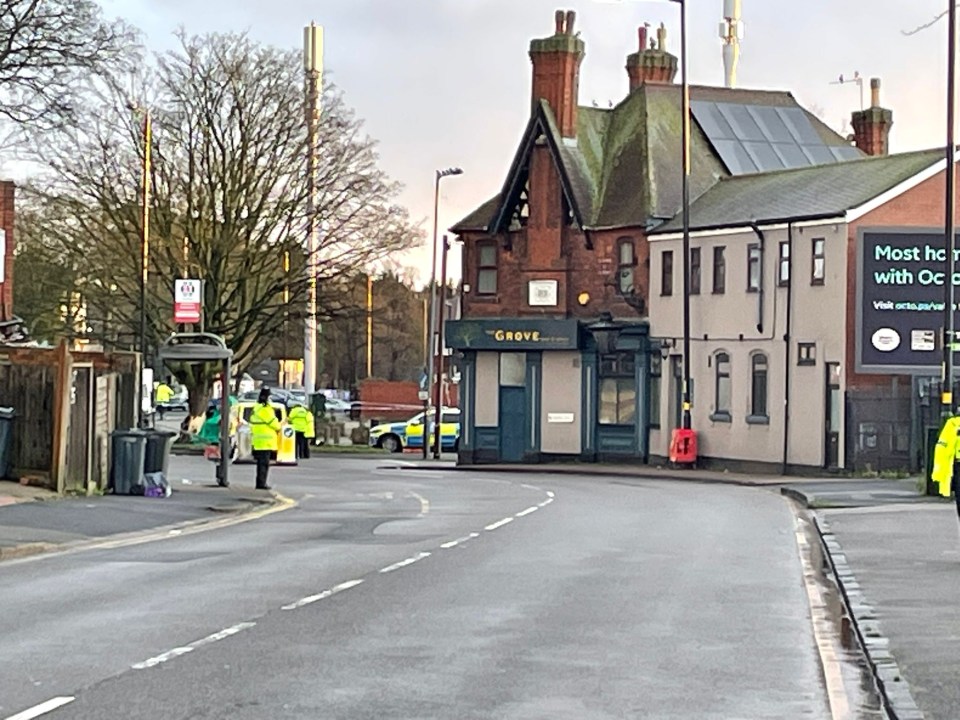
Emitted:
pixel 513 406
pixel 831 423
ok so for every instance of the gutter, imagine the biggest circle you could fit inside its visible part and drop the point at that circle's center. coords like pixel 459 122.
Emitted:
pixel 763 242
pixel 767 222
pixel 786 354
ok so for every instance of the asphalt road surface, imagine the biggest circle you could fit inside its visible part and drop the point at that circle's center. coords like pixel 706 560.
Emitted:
pixel 392 593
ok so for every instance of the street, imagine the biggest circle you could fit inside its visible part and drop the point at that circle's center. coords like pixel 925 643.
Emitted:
pixel 400 593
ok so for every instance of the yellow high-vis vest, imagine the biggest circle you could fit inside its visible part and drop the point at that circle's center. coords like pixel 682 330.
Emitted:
pixel 946 452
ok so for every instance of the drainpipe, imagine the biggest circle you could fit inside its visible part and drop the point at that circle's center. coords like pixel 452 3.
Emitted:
pixel 786 350
pixel 762 238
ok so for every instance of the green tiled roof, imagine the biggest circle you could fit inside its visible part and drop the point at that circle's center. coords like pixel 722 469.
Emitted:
pixel 818 191
pixel 624 168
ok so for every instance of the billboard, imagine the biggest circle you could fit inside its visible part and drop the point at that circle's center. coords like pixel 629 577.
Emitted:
pixel 900 300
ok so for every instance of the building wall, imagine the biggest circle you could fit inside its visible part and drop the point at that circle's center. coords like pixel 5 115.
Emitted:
pixel 487 412
pixel 728 323
pixel 561 394
pixel 7 214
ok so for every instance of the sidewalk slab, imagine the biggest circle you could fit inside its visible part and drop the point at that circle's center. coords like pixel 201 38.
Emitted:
pixel 853 492
pixel 28 527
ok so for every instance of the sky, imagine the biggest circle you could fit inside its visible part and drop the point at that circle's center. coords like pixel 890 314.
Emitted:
pixel 443 83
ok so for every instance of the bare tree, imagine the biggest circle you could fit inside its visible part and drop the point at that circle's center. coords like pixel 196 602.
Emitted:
pixel 929 24
pixel 229 197
pixel 48 50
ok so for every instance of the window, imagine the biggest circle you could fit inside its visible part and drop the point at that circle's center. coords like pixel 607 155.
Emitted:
pixel 818 269
pixel 722 389
pixel 449 418
pixel 666 273
pixel 626 261
pixel 719 271
pixel 513 369
pixel 694 271
pixel 618 389
pixel 753 268
pixel 783 267
pixel 486 268
pixel 806 354
pixel 758 388
pixel 656 371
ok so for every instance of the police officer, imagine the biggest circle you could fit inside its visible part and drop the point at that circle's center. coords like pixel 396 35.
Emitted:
pixel 946 455
pixel 301 422
pixel 264 435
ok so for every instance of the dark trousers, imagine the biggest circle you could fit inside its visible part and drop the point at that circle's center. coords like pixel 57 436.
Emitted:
pixel 303 446
pixel 263 466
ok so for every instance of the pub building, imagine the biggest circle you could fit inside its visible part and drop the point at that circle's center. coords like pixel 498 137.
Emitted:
pixel 570 342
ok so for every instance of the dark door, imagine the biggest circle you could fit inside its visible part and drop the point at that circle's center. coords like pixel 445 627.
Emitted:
pixel 513 423
pixel 832 420
pixel 676 391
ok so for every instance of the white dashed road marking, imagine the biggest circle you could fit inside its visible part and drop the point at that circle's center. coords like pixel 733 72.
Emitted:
pixel 499 524
pixel 404 563
pixel 529 510
pixel 322 596
pixel 209 639
pixel 42 709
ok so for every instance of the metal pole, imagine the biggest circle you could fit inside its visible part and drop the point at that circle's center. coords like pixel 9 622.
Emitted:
pixel 223 476
pixel 438 391
pixel 950 241
pixel 686 215
pixel 369 326
pixel 144 258
pixel 313 70
pixel 431 346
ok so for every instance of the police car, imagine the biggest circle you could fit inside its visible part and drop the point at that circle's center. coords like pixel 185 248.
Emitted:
pixel 394 437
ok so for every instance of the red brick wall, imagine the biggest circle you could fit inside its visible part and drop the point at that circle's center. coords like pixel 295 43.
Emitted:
pixel 396 400
pixel 921 206
pixel 7 209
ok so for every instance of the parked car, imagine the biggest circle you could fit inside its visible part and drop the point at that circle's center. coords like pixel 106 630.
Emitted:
pixel 394 437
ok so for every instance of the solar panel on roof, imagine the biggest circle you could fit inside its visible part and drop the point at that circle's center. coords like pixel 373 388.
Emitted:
pixel 762 138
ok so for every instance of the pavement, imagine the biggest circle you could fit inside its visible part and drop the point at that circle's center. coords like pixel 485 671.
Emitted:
pixel 35 520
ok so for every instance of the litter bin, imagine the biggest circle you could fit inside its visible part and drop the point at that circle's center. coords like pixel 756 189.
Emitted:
pixel 6 440
pixel 128 450
pixel 157 455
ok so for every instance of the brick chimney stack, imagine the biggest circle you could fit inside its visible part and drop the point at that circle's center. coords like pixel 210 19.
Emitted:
pixel 556 71
pixel 651 64
pixel 871 127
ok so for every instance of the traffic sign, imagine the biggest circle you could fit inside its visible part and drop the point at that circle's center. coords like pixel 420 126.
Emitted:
pixel 187 300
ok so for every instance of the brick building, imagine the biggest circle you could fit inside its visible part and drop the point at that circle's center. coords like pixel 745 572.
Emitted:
pixel 569 342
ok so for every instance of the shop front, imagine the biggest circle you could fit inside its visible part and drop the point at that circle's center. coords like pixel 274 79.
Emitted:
pixel 541 390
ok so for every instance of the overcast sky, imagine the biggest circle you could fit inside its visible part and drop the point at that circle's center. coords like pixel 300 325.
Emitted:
pixel 447 82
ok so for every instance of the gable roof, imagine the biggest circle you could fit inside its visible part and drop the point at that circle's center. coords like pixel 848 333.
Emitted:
pixel 807 193
pixel 624 167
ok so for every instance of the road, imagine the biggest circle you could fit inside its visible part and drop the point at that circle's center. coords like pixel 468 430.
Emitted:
pixel 391 593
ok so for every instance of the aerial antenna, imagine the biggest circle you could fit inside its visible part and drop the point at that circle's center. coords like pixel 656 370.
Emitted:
pixel 857 79
pixel 731 32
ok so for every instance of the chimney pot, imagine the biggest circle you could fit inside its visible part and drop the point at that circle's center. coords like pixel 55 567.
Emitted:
pixel 642 33
pixel 571 19
pixel 559 18
pixel 875 92
pixel 871 127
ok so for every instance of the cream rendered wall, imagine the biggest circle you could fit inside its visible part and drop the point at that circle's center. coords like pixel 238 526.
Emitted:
pixel 727 322
pixel 487 390
pixel 561 393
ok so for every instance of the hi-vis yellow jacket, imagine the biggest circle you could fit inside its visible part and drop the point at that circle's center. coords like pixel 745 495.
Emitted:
pixel 945 453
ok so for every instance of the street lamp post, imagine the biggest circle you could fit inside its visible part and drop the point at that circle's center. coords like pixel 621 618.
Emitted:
pixel 144 257
pixel 684 81
pixel 432 346
pixel 950 241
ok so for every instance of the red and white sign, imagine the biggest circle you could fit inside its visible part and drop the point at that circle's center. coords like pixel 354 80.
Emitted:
pixel 187 296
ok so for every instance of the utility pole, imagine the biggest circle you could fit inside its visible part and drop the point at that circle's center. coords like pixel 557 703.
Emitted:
pixel 313 72
pixel 144 255
pixel 369 325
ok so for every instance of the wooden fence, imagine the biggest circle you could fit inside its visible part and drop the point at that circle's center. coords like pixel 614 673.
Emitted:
pixel 67 402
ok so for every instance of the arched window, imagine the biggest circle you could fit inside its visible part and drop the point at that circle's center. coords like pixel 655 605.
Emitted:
pixel 722 388
pixel 758 385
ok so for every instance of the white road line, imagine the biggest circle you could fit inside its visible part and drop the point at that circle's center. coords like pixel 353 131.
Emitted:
pixel 474 535
pixel 404 563
pixel 454 543
pixel 545 502
pixel 529 510
pixel 529 487
pixel 550 494
pixel 42 709
pixel 499 524
pixel 424 503
pixel 177 652
pixel 321 596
